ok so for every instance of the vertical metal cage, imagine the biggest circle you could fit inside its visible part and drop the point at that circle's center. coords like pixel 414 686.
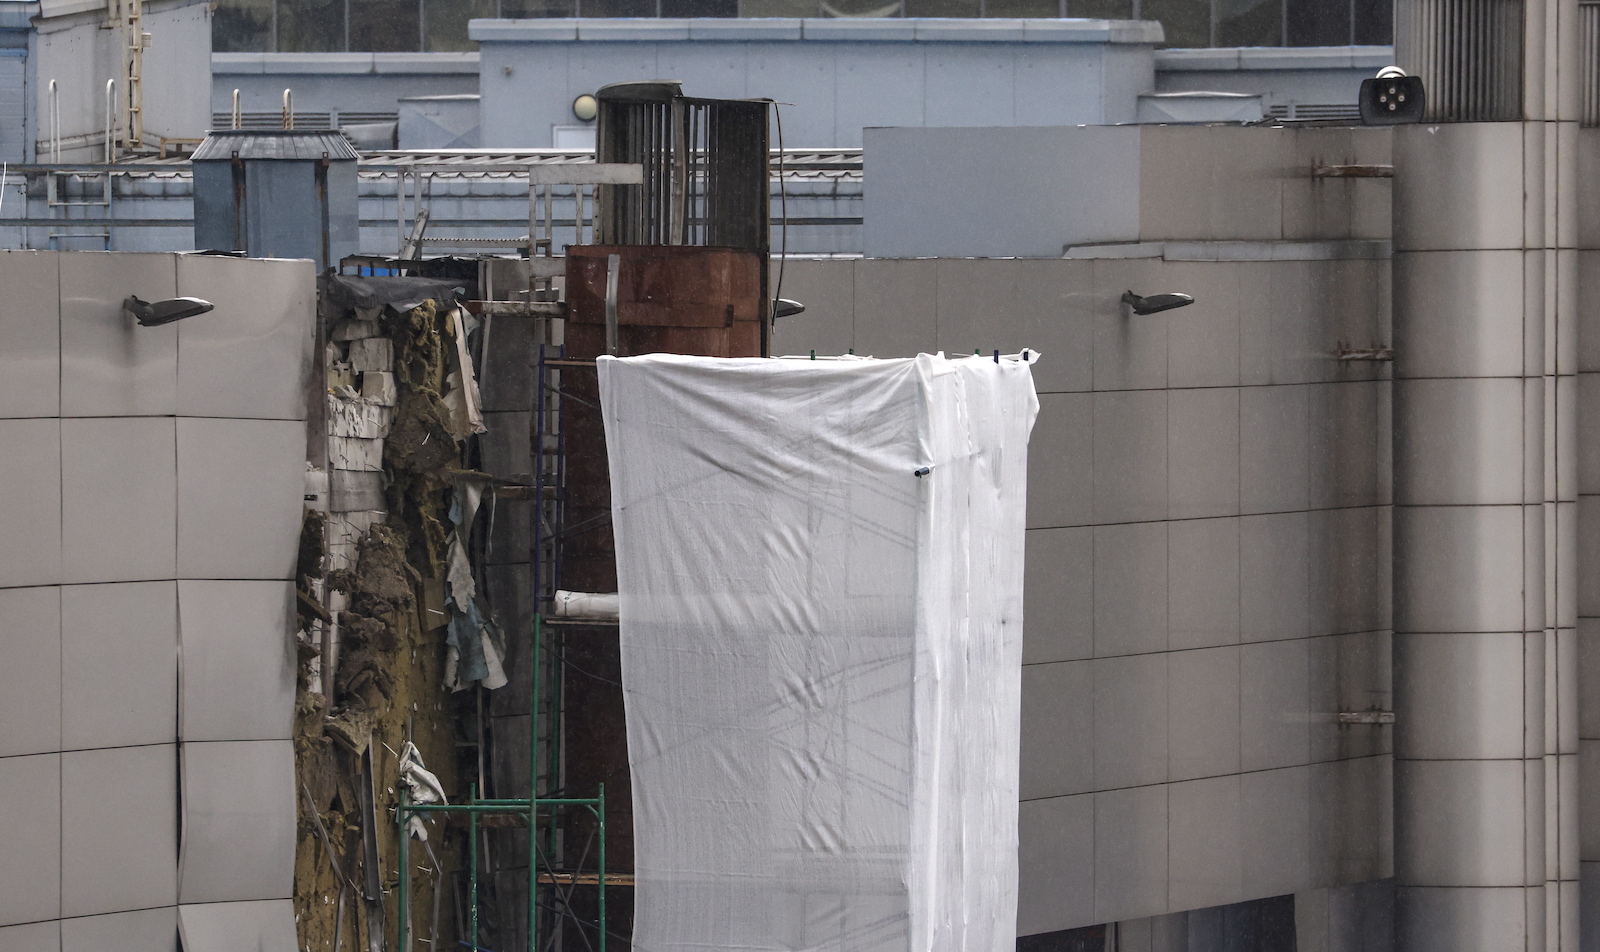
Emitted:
pixel 1468 53
pixel 1589 61
pixel 706 179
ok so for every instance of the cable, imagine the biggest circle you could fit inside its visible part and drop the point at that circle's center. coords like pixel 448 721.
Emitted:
pixel 783 211
pixel 587 674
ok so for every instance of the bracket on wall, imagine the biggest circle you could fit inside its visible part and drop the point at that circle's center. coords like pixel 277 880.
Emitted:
pixel 1352 171
pixel 1366 717
pixel 1376 352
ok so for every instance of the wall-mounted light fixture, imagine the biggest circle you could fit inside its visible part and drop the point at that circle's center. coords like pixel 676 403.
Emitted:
pixel 784 307
pixel 586 107
pixel 164 312
pixel 1155 302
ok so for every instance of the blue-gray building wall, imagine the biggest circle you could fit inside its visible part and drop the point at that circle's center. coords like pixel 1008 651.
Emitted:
pixel 1294 82
pixel 1049 85
pixel 337 82
pixel 834 77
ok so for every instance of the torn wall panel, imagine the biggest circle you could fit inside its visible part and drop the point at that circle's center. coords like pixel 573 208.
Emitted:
pixel 239 667
pixel 229 926
pixel 239 821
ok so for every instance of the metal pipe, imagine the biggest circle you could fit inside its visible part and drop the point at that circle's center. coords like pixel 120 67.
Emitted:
pixel 55 123
pixel 404 900
pixel 601 880
pixel 519 805
pixel 613 273
pixel 238 117
pixel 111 119
pixel 472 876
pixel 533 778
pixel 288 109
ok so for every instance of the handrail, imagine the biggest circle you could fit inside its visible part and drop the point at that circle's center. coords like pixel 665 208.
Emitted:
pixel 111 120
pixel 55 123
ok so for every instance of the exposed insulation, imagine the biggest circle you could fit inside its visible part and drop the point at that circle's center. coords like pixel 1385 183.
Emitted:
pixel 393 463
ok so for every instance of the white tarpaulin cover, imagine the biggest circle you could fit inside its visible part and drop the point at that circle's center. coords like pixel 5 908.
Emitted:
pixel 820 572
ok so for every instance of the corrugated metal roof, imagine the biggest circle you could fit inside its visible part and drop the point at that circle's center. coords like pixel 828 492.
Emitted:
pixel 289 144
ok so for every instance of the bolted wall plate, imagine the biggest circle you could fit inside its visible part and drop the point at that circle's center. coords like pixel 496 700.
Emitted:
pixel 1392 100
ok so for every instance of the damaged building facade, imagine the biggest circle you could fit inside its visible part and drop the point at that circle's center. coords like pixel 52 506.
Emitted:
pixel 1308 583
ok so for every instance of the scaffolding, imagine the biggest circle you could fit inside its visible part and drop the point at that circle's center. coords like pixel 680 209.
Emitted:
pixel 531 807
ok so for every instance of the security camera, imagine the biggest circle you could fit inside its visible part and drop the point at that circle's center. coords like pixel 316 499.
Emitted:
pixel 1392 98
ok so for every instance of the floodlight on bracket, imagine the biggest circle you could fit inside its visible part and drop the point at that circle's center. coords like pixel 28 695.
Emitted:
pixel 1392 98
pixel 1154 303
pixel 164 312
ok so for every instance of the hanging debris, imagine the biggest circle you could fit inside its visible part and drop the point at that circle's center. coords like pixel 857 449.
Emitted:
pixel 393 626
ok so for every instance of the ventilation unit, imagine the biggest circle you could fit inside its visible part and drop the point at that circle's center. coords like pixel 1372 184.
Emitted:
pixel 1468 53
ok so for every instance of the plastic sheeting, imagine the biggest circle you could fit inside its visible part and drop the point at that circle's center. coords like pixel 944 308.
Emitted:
pixel 820 573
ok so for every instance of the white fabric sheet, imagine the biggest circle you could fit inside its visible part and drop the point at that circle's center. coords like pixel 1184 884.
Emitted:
pixel 821 648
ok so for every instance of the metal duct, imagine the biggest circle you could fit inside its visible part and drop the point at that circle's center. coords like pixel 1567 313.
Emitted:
pixel 1468 53
pixel 1589 61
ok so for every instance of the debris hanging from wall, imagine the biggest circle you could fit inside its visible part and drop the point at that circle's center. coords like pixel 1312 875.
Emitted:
pixel 394 625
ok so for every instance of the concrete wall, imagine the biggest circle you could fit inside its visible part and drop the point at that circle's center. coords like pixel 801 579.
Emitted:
pixel 1036 192
pixel 1287 78
pixel 339 82
pixel 80 55
pixel 1209 512
pixel 151 526
pixel 836 77
pixel 1588 569
pixel 1208 564
pixel 1300 82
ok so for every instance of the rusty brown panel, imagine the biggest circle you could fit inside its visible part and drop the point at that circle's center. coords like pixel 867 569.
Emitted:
pixel 684 283
pixel 665 286
pixel 743 339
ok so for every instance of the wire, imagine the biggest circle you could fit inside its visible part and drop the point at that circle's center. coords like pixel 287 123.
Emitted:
pixel 587 674
pixel 783 211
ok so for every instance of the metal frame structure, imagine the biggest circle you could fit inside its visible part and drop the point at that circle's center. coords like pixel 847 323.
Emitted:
pixel 554 210
pixel 531 807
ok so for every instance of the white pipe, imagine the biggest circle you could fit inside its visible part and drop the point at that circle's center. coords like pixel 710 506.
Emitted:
pixel 55 124
pixel 288 109
pixel 111 120
pixel 238 117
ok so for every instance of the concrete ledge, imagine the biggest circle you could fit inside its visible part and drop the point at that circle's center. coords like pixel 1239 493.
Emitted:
pixel 861 29
pixel 1136 31
pixel 829 30
pixel 425 63
pixel 1275 57
pixel 49 9
pixel 17 16
pixel 745 28
pixel 551 31
pixel 343 64
pixel 238 64
pixel 625 28
pixel 1359 248
pixel 992 30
